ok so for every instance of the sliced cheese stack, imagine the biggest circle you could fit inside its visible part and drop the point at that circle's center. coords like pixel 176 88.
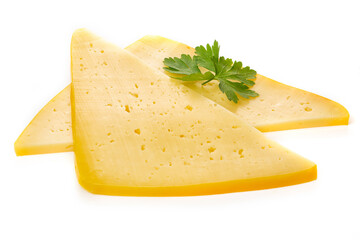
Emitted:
pixel 279 107
pixel 137 132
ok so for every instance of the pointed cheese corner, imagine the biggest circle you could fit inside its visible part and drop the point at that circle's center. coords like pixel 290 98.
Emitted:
pixel 279 106
pixel 153 49
pixel 139 133
pixel 50 130
pixel 82 34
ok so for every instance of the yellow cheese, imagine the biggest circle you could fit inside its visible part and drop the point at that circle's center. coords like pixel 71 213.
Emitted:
pixel 279 106
pixel 139 133
pixel 50 130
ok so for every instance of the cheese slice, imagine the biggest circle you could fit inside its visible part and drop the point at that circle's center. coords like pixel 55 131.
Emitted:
pixel 279 106
pixel 50 131
pixel 139 133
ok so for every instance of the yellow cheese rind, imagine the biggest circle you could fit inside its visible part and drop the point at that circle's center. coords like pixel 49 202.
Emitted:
pixel 50 131
pixel 137 132
pixel 279 106
pixel 205 189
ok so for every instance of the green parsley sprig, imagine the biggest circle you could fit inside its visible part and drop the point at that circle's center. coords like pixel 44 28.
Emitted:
pixel 234 79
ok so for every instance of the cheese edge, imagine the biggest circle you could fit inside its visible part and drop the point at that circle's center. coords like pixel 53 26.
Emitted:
pixel 241 185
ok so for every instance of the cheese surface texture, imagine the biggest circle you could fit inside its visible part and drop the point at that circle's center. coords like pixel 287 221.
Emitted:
pixel 279 107
pixel 137 132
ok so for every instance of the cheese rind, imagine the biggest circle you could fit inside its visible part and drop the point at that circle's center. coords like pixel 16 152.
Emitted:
pixel 241 185
pixel 279 107
pixel 138 132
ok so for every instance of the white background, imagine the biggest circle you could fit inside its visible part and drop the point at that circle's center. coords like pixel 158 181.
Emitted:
pixel 313 45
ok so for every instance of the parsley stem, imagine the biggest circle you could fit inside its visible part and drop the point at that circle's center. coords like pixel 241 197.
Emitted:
pixel 207 81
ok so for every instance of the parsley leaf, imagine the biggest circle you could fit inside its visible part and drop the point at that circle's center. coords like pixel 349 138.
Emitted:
pixel 187 69
pixel 234 79
pixel 208 57
pixel 184 65
pixel 230 88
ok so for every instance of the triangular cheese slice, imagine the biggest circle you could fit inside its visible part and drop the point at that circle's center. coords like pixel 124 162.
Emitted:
pixel 50 130
pixel 279 106
pixel 139 133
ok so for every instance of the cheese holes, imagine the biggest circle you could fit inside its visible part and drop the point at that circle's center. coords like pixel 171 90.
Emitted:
pixel 188 107
pixel 240 152
pixel 185 91
pixel 211 149
pixel 127 109
pixel 137 131
pixel 134 94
